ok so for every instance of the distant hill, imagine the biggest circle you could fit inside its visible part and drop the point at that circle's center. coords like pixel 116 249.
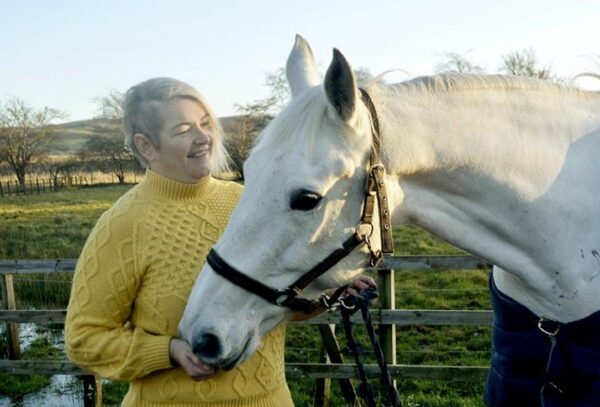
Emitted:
pixel 71 136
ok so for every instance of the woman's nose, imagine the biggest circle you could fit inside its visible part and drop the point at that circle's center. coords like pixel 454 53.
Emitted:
pixel 202 135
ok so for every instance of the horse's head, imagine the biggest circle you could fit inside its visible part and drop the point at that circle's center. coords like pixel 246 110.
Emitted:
pixel 305 182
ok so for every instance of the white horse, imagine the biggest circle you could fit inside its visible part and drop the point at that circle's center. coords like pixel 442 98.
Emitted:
pixel 506 168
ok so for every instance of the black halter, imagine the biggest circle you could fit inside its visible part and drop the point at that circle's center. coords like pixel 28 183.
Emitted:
pixel 288 297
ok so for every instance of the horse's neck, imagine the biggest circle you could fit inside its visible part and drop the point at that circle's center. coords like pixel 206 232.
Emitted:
pixel 482 171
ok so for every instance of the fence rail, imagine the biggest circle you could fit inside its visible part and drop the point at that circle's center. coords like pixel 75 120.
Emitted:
pixel 389 263
pixel 397 317
pixel 293 370
pixel 388 318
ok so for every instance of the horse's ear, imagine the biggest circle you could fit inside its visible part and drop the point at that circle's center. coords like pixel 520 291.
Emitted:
pixel 340 86
pixel 301 70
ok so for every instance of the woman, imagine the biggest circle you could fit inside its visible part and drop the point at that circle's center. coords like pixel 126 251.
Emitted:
pixel 142 258
pixel 140 262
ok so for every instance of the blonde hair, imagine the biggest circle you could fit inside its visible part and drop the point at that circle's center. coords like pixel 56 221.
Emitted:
pixel 141 114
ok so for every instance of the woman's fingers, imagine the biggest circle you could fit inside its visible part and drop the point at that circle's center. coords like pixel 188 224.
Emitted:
pixel 360 284
pixel 182 352
pixel 199 371
pixel 351 291
pixel 192 357
pixel 367 280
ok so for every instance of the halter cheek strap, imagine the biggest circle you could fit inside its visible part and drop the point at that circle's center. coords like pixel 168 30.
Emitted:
pixel 289 296
pixel 375 190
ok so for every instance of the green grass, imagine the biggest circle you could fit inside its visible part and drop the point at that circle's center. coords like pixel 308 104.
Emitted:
pixel 50 225
pixel 55 225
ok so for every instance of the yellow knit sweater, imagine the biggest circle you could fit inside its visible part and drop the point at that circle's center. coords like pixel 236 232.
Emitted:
pixel 130 288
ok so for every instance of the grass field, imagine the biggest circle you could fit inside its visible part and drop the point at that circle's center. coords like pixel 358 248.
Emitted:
pixel 55 225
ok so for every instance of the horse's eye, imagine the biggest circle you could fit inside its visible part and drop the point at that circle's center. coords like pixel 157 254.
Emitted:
pixel 304 200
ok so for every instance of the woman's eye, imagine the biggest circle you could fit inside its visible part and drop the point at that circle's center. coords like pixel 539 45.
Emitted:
pixel 183 130
pixel 304 200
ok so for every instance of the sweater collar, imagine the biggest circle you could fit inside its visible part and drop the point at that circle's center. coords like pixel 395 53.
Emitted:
pixel 170 189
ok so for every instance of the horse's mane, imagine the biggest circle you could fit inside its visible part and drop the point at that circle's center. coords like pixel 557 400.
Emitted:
pixel 304 117
pixel 301 119
pixel 455 82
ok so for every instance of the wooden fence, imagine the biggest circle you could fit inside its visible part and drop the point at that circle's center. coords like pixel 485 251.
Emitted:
pixel 332 367
pixel 37 185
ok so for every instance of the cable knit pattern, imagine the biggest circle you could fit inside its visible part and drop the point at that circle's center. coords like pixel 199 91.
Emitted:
pixel 130 288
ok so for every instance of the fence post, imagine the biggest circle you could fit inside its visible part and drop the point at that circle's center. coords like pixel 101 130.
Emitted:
pixel 17 187
pixel 92 391
pixel 1 192
pixel 323 386
pixel 37 184
pixel 387 300
pixel 8 303
pixel 329 342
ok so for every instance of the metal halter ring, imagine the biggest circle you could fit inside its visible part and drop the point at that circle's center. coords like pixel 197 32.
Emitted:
pixel 285 295
pixel 361 232
pixel 548 326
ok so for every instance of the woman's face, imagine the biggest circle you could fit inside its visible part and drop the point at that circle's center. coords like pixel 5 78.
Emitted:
pixel 184 150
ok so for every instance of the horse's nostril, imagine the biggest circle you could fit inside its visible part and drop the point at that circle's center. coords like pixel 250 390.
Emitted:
pixel 207 346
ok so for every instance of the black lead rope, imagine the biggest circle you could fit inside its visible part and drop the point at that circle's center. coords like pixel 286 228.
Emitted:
pixel 349 306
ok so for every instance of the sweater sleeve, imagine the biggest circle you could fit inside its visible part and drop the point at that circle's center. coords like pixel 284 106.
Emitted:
pixel 98 336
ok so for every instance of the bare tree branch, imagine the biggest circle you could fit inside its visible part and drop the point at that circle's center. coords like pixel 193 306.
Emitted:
pixel 25 134
pixel 524 63
pixel 457 63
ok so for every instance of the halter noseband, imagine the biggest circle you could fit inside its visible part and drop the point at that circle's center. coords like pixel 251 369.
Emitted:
pixel 375 189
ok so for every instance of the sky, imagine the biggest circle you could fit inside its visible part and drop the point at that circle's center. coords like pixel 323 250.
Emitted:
pixel 63 54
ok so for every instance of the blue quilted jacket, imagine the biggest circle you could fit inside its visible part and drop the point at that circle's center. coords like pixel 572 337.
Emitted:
pixel 528 371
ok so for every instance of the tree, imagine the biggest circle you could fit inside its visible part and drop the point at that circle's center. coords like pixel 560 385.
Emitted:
pixel 279 91
pixel 363 76
pixel 25 134
pixel 457 63
pixel 524 63
pixel 110 106
pixel 57 166
pixel 255 116
pixel 106 149
pixel 107 152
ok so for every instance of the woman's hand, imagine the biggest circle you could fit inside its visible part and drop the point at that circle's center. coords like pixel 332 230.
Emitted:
pixel 181 353
pixel 360 284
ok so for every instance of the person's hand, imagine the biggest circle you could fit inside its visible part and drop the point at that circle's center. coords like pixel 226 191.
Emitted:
pixel 360 284
pixel 181 353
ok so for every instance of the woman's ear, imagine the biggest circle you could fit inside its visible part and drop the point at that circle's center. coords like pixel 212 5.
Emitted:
pixel 144 146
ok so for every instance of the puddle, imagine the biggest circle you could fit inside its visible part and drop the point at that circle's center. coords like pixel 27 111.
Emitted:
pixel 63 391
